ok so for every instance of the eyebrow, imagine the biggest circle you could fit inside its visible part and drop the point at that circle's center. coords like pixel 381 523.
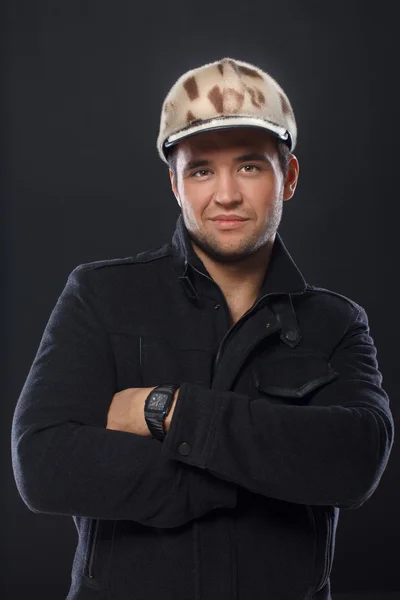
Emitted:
pixel 202 162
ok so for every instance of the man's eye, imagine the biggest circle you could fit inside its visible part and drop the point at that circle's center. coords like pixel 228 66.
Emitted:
pixel 200 171
pixel 251 167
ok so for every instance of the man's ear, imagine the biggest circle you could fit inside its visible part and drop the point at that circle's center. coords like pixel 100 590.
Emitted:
pixel 173 186
pixel 291 178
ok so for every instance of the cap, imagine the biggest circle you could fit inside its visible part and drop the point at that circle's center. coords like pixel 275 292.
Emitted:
pixel 225 93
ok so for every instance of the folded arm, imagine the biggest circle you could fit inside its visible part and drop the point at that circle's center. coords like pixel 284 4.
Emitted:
pixel 64 458
pixel 331 451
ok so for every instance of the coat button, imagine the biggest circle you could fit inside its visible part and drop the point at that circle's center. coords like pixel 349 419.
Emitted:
pixel 184 448
pixel 291 336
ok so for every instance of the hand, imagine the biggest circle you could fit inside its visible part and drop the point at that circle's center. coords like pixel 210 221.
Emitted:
pixel 126 411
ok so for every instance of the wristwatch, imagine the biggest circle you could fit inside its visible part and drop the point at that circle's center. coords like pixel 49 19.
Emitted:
pixel 156 408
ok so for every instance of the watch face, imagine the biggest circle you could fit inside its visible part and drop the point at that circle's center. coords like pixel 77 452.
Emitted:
pixel 157 401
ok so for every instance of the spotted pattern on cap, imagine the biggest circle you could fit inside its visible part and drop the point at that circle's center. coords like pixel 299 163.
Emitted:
pixel 190 116
pixel 256 95
pixel 216 98
pixel 191 88
pixel 249 72
pixel 232 64
pixel 285 106
pixel 168 108
pixel 239 69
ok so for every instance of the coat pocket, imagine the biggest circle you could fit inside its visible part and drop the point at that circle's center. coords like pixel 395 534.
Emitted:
pixel 325 526
pixel 91 546
pixel 173 361
pixel 292 378
pixel 98 549
pixel 147 359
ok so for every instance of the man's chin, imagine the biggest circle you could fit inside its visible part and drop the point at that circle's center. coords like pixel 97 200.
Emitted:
pixel 222 252
pixel 224 255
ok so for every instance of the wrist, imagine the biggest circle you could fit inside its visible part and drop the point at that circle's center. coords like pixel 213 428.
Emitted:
pixel 158 409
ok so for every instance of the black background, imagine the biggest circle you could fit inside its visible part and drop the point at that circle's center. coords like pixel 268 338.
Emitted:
pixel 82 181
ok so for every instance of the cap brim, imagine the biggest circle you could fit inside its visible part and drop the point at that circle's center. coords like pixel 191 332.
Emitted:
pixel 228 122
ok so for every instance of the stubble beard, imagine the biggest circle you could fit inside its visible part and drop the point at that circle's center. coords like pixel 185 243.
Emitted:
pixel 248 245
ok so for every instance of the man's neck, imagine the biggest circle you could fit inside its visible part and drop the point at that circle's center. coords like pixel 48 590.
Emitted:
pixel 240 282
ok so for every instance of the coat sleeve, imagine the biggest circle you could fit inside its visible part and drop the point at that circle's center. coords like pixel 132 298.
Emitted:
pixel 332 451
pixel 64 459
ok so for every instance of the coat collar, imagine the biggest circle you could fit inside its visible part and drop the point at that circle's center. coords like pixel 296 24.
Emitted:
pixel 281 277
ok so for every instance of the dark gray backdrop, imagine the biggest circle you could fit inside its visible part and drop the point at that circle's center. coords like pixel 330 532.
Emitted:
pixel 84 83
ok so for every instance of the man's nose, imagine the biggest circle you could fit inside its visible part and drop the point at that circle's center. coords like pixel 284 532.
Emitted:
pixel 227 189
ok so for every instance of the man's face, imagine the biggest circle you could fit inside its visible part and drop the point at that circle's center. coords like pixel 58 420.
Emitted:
pixel 231 173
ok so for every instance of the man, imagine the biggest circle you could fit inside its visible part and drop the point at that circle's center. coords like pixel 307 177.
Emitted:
pixel 200 410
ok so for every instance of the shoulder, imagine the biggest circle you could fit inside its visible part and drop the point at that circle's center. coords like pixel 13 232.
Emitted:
pixel 333 301
pixel 101 264
pixel 332 296
pixel 118 265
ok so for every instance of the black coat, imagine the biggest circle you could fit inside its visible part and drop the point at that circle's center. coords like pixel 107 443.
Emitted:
pixel 281 420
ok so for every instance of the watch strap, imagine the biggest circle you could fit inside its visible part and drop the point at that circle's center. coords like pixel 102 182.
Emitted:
pixel 155 419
